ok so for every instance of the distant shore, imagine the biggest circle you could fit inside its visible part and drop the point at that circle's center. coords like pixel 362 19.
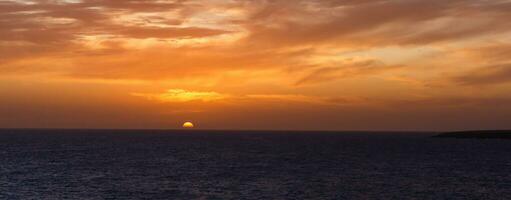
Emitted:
pixel 482 134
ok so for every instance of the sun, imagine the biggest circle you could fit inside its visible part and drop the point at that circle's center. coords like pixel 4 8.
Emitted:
pixel 188 125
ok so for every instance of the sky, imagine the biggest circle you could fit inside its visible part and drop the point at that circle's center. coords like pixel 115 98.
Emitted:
pixel 403 65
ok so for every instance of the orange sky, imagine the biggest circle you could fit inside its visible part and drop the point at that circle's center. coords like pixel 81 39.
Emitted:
pixel 256 64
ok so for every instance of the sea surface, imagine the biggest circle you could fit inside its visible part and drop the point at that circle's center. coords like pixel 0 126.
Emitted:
pixel 108 164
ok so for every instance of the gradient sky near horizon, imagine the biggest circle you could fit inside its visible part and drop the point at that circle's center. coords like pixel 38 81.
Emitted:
pixel 256 64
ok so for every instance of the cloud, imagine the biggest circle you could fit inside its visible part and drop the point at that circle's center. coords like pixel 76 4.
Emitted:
pixel 495 74
pixel 184 96
pixel 177 39
pixel 313 100
pixel 350 69
pixel 390 22
pixel 493 52
pixel 180 95
pixel 51 22
pixel 169 32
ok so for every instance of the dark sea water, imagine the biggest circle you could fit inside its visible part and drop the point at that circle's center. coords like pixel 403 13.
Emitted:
pixel 59 164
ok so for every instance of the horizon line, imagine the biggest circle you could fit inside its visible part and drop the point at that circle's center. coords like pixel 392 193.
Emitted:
pixel 249 130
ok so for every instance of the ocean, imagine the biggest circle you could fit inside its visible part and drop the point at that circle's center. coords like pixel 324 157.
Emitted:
pixel 173 164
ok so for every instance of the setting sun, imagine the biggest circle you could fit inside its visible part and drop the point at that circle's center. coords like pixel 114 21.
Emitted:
pixel 188 125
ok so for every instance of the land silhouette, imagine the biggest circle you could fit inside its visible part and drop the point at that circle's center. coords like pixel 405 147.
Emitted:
pixel 481 134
